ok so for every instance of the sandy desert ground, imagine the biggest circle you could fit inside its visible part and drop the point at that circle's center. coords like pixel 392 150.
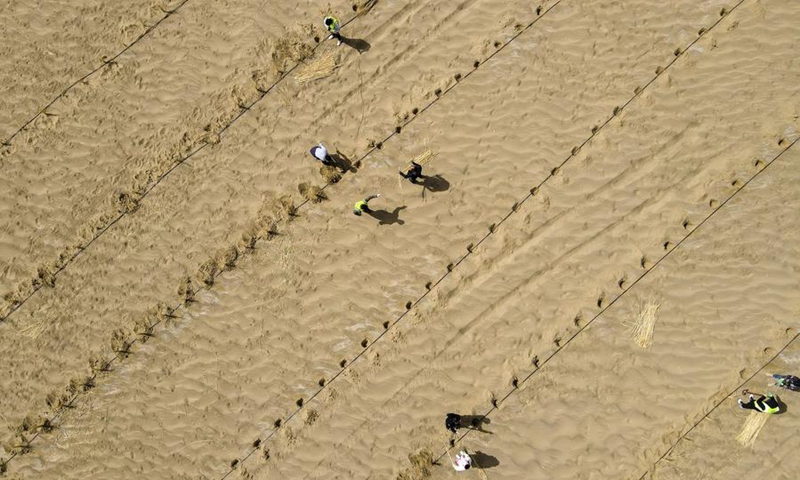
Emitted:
pixel 186 294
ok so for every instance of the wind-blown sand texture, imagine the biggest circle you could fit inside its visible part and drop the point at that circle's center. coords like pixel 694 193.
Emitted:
pixel 176 308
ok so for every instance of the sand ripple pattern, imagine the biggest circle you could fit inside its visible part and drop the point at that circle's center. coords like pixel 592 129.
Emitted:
pixel 194 398
pixel 45 45
pixel 106 60
pixel 248 212
pixel 425 401
pixel 124 129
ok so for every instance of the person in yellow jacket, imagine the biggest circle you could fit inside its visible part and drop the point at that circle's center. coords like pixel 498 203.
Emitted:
pixel 363 205
pixel 333 26
pixel 765 404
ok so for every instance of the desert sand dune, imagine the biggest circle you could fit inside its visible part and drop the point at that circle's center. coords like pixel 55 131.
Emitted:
pixel 127 123
pixel 713 451
pixel 624 409
pixel 285 318
pixel 405 405
pixel 48 45
pixel 90 326
pixel 478 182
pixel 382 414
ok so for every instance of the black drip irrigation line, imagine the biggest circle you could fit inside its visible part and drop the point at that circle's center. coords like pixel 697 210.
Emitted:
pixel 540 364
pixel 176 164
pixel 62 267
pixel 89 383
pixel 431 285
pixel 244 109
pixel 732 392
pixel 106 61
pixel 493 227
pixel 171 311
pixel 263 93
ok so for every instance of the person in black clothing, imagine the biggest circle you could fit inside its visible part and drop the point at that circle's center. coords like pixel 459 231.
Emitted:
pixel 413 172
pixel 452 422
pixel 789 382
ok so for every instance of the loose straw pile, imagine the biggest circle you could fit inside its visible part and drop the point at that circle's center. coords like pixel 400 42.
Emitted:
pixel 321 67
pixel 641 332
pixel 35 329
pixel 752 427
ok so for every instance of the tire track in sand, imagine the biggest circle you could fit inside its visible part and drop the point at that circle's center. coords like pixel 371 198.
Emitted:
pixel 77 391
pixel 540 363
pixel 513 248
pixel 259 443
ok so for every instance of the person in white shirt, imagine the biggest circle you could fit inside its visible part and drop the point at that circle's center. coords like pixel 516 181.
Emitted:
pixel 462 461
pixel 321 153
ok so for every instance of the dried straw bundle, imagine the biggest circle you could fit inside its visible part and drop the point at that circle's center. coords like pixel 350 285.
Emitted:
pixel 35 329
pixel 752 427
pixel 320 67
pixel 424 157
pixel 641 332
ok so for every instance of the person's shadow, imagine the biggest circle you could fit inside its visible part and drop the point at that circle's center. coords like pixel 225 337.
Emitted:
pixel 783 407
pixel 484 460
pixel 358 44
pixel 435 183
pixel 343 163
pixel 386 217
pixel 475 422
